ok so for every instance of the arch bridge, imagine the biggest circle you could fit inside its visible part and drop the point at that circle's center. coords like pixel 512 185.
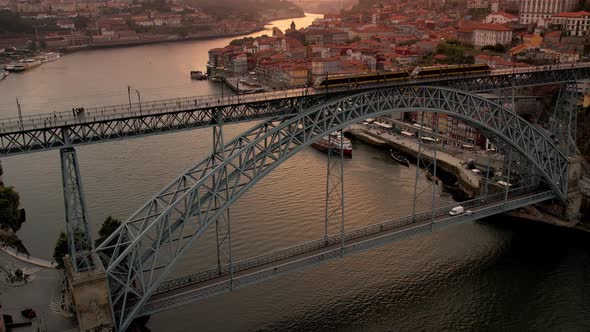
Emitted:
pixel 141 254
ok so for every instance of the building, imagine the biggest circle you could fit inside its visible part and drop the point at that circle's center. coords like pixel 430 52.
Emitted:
pixel 239 63
pixel 574 23
pixel 491 34
pixel 477 4
pixel 500 18
pixel 540 11
pixel 324 66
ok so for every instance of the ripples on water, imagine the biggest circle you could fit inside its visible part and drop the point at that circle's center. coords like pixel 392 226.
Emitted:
pixel 486 276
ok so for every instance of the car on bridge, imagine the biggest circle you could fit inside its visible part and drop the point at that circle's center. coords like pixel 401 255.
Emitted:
pixel 457 210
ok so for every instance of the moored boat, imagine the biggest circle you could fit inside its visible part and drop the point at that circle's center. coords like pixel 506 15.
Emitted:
pixel 3 74
pixel 334 141
pixel 198 75
pixel 50 56
pixel 15 67
pixel 399 158
pixel 31 63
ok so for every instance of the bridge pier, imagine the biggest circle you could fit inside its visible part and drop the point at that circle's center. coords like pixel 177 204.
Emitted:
pixel 79 243
pixel 222 224
pixel 334 212
pixel 90 297
pixel 569 211
pixel 86 280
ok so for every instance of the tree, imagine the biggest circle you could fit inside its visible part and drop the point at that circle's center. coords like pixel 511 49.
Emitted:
pixel 12 23
pixel 60 250
pixel 488 48
pixel 81 22
pixel 499 48
pixel 10 214
pixel 108 227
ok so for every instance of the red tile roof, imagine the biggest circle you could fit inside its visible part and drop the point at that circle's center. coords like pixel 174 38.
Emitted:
pixel 573 14
pixel 492 26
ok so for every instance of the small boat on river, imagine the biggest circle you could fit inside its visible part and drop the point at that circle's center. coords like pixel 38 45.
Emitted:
pixel 399 158
pixel 198 75
pixel 335 142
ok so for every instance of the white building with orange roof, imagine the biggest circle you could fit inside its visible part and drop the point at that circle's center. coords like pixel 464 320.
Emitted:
pixel 501 18
pixel 540 11
pixel 491 34
pixel 574 23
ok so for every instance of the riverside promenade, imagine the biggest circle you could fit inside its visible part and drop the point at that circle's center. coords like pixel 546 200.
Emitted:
pixel 469 181
pixel 42 292
pixel 27 258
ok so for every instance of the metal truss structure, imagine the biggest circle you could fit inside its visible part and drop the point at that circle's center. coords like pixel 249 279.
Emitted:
pixel 139 255
pixel 426 165
pixel 222 224
pixel 57 130
pixel 80 244
pixel 334 213
pixel 564 120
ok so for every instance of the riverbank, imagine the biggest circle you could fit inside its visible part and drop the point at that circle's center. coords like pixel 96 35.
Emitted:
pixel 166 39
pixel 468 182
pixel 176 38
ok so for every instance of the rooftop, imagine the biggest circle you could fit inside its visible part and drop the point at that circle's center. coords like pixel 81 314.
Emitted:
pixel 573 14
pixel 492 27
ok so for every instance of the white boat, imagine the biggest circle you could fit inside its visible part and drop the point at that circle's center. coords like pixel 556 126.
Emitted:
pixel 15 67
pixel 334 141
pixel 3 74
pixel 51 56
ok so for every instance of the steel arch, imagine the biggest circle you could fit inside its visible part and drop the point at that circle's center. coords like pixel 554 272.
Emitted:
pixel 142 252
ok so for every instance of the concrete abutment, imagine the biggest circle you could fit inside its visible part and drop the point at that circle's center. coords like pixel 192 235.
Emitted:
pixel 90 296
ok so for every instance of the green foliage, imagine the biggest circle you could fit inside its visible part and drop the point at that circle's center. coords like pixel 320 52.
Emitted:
pixel 455 53
pixel 498 48
pixel 242 41
pixel 81 22
pixel 488 48
pixel 12 23
pixel 107 228
pixel 453 42
pixel 10 215
pixel 60 250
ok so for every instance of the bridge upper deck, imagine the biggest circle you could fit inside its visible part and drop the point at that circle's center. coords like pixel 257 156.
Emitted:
pixel 54 130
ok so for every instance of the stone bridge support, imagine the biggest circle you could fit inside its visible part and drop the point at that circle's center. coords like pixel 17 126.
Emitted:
pixel 90 297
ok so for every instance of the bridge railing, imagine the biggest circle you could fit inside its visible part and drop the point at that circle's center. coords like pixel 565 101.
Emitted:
pixel 354 234
pixel 206 101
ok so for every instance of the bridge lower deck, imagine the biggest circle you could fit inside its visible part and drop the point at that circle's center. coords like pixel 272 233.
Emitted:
pixel 206 284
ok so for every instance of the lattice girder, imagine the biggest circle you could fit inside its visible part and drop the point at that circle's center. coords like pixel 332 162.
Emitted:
pixel 140 254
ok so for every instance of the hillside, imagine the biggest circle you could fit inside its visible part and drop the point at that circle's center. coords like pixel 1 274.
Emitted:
pixel 251 10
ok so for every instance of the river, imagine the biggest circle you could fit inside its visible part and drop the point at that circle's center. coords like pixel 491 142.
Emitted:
pixel 484 276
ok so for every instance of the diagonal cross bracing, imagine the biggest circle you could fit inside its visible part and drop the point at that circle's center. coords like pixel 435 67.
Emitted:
pixel 183 210
pixel 43 131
